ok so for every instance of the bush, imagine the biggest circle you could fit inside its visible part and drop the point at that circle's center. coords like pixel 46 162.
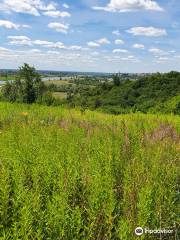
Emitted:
pixel 47 99
pixel 27 87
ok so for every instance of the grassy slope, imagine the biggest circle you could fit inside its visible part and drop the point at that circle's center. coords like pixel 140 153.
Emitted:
pixel 145 95
pixel 94 176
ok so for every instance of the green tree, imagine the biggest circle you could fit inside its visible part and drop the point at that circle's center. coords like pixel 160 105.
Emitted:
pixel 27 87
pixel 29 76
pixel 116 79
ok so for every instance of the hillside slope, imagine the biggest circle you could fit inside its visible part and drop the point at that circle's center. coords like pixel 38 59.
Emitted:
pixel 156 93
pixel 67 175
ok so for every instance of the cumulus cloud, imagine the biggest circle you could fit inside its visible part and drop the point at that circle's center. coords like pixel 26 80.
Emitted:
pixel 138 46
pixel 130 5
pixel 21 6
pixel 75 47
pixel 103 41
pixel 93 44
pixel 119 41
pixel 59 27
pixel 157 51
pixel 147 31
pixel 56 14
pixel 120 51
pixel 48 44
pixel 35 50
pixel 23 40
pixel 20 40
pixel 32 7
pixel 26 41
pixel 10 25
pixel 99 42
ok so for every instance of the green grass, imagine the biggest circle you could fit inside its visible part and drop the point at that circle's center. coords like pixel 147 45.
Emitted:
pixel 58 82
pixel 69 176
pixel 9 77
pixel 60 95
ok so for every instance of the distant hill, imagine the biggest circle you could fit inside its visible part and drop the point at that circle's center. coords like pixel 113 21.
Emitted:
pixel 60 73
pixel 154 93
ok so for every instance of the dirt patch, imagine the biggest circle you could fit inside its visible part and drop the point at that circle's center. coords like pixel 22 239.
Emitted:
pixel 64 124
pixel 163 132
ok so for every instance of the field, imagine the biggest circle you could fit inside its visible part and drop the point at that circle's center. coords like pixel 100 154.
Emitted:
pixel 8 77
pixel 68 175
pixel 57 82
pixel 61 95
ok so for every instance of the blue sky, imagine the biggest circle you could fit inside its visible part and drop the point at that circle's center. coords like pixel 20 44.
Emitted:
pixel 91 35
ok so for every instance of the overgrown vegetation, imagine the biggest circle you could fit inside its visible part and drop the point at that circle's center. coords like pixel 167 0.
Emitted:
pixel 27 88
pixel 155 93
pixel 67 175
pixel 116 94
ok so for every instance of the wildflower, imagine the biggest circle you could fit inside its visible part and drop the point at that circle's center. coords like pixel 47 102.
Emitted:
pixel 25 114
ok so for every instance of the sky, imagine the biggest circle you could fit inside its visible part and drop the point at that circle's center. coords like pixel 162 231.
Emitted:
pixel 91 35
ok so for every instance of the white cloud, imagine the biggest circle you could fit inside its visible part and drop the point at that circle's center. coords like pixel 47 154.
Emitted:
pixel 138 46
pixel 99 42
pixel 130 5
pixel 21 6
pixel 48 44
pixel 75 47
pixel 162 59
pixel 65 5
pixel 2 49
pixel 119 41
pixel 56 14
pixel 41 6
pixel 116 32
pixel 20 40
pixel 26 41
pixel 43 43
pixel 26 26
pixel 9 25
pixel 157 51
pixel 35 50
pixel 32 7
pixel 120 51
pixel 103 41
pixel 59 27
pixel 147 31
pixel 131 57
pixel 93 44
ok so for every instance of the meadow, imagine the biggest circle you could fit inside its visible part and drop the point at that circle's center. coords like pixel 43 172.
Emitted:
pixel 68 175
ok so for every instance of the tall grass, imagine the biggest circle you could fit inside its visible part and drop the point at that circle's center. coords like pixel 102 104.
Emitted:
pixel 66 175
